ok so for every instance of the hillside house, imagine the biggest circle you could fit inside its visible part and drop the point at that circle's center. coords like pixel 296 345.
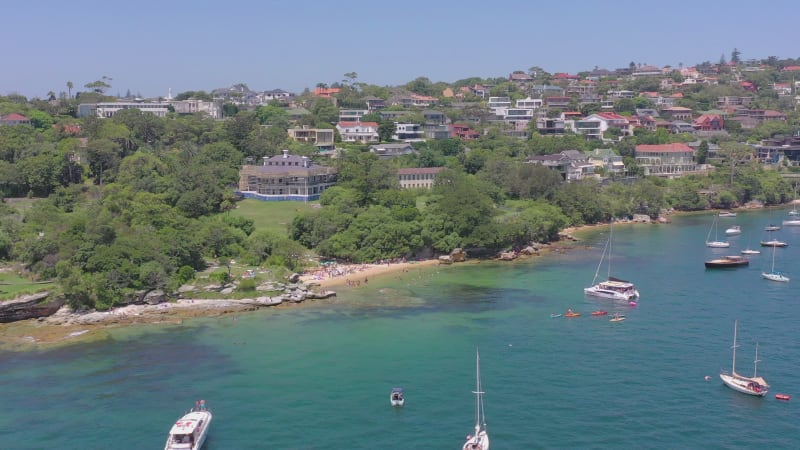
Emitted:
pixel 362 132
pixel 418 177
pixel 14 119
pixel 322 138
pixel 386 151
pixel 571 164
pixel 665 160
pixel 285 177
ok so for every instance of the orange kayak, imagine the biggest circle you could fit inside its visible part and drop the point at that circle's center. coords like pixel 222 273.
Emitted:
pixel 572 315
pixel 599 313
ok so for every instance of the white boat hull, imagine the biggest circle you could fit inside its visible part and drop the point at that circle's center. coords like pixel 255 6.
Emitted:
pixel 195 437
pixel 791 223
pixel 596 291
pixel 775 277
pixel 744 386
pixel 477 442
pixel 718 244
pixel 400 402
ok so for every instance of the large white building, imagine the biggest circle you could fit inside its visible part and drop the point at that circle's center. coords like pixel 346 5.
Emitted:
pixel 108 109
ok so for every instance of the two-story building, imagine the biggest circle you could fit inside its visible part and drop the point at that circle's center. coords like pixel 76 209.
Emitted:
pixel 352 115
pixel 285 177
pixel 610 162
pixel 571 164
pixel 358 131
pixel 108 109
pixel 408 132
pixel 418 177
pixel 322 138
pixel 665 160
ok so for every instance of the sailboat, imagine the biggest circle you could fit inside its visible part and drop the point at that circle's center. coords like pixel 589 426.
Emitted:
pixel 613 288
pixel 716 243
pixel 480 440
pixel 754 385
pixel 772 275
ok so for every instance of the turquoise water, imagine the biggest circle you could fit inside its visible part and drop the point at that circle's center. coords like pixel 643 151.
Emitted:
pixel 319 376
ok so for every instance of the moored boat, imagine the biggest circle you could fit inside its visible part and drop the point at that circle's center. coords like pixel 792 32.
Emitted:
pixel 716 243
pixel 755 385
pixel 612 288
pixel 772 275
pixel 772 227
pixel 396 398
pixel 191 430
pixel 734 230
pixel 774 243
pixel 727 262
pixel 480 440
pixel 726 214
pixel 749 251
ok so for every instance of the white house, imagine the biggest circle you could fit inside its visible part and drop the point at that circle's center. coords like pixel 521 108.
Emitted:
pixel 358 131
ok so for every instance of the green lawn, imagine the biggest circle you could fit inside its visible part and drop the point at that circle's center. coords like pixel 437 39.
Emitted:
pixel 271 216
pixel 12 285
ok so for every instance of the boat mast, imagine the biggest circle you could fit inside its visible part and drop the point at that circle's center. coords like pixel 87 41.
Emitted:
pixel 733 365
pixel 610 237
pixel 600 264
pixel 479 413
pixel 755 363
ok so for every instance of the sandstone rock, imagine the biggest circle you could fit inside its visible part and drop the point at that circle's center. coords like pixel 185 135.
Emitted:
pixel 29 307
pixel 155 297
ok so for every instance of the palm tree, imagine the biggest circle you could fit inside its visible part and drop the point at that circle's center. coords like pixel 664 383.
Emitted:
pixel 69 88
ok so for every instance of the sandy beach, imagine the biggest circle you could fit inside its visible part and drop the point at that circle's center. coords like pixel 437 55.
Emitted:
pixel 66 326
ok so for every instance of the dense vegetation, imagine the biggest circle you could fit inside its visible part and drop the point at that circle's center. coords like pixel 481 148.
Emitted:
pixel 137 202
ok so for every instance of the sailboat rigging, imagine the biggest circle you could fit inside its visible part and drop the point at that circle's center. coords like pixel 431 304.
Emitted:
pixel 716 243
pixel 480 440
pixel 612 288
pixel 772 275
pixel 754 385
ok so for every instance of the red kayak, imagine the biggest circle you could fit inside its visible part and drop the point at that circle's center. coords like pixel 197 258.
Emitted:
pixel 599 313
pixel 783 396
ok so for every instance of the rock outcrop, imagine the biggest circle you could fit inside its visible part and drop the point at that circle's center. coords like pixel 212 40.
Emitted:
pixel 29 307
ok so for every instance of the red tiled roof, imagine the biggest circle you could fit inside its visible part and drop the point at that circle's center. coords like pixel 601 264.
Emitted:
pixel 773 113
pixel 663 148
pixel 611 116
pixel 791 68
pixel 15 117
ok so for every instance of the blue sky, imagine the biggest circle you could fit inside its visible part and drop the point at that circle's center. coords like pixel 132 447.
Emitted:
pixel 150 46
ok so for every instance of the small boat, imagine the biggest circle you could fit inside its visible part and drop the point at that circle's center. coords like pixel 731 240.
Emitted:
pixel 772 227
pixel 727 262
pixel 617 318
pixel 754 385
pixel 716 243
pixel 774 243
pixel 480 440
pixel 791 223
pixel 612 288
pixel 396 397
pixel 572 314
pixel 772 275
pixel 726 214
pixel 553 316
pixel 599 313
pixel 749 251
pixel 786 397
pixel 734 230
pixel 191 430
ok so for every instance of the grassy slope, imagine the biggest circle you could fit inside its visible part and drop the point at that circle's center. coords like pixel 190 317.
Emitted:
pixel 271 216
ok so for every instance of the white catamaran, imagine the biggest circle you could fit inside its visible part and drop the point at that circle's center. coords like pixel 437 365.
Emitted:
pixel 612 288
pixel 754 385
pixel 480 440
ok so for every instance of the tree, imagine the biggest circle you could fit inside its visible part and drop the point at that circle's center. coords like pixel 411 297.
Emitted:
pixel 702 152
pixel 99 86
pixel 736 56
pixel 69 88
pixel 385 130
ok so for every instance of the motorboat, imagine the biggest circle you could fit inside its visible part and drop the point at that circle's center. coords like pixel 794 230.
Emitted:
pixel 396 397
pixel 726 214
pixel 479 440
pixel 749 251
pixel 774 243
pixel 716 243
pixel 612 288
pixel 754 385
pixel 191 430
pixel 772 275
pixel 727 262
pixel 792 222
pixel 734 230
pixel 772 227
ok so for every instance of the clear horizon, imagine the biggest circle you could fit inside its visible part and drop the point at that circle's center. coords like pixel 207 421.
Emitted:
pixel 151 47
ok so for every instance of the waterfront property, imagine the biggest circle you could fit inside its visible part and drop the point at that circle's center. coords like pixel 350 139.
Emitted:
pixel 666 160
pixel 286 177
